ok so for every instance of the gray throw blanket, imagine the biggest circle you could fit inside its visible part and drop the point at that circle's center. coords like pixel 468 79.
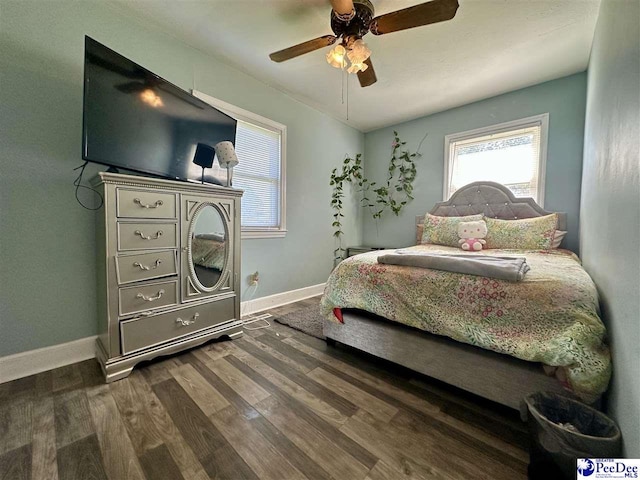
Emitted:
pixel 503 268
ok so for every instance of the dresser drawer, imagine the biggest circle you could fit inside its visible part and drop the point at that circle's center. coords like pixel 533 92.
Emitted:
pixel 148 331
pixel 145 204
pixel 147 236
pixel 147 297
pixel 146 266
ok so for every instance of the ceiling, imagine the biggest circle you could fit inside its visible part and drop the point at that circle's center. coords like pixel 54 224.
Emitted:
pixel 490 47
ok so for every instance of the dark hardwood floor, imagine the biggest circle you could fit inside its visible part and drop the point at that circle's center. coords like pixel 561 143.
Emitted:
pixel 275 404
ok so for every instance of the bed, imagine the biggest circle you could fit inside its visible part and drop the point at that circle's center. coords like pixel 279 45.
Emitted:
pixel 209 250
pixel 209 254
pixel 500 340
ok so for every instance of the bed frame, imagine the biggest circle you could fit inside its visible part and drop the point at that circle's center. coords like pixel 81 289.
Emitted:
pixel 491 375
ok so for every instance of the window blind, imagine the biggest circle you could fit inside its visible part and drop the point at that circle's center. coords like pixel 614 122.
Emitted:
pixel 511 158
pixel 258 174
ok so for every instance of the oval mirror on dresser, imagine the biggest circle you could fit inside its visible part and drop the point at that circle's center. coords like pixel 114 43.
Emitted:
pixel 208 247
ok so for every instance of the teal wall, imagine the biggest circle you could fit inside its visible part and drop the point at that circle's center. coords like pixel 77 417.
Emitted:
pixel 610 207
pixel 563 99
pixel 47 254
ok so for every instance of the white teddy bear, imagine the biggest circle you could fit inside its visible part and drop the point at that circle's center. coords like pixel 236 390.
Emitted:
pixel 472 235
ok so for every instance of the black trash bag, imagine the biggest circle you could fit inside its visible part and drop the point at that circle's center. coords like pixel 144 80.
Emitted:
pixel 562 430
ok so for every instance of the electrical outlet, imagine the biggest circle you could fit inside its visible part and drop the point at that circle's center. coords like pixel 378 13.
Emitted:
pixel 254 278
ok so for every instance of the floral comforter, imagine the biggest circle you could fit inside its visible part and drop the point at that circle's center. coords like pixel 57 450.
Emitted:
pixel 550 317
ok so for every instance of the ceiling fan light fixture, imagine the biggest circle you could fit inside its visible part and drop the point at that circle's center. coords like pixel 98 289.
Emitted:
pixel 357 67
pixel 335 57
pixel 358 51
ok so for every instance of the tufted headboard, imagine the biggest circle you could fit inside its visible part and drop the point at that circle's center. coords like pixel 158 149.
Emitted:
pixel 493 200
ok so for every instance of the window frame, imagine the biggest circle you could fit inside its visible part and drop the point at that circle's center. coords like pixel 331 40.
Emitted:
pixel 266 123
pixel 541 120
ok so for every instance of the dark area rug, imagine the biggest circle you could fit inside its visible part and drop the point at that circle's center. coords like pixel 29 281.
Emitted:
pixel 308 320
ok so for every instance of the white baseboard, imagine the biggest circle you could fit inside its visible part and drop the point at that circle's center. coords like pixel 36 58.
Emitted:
pixel 31 362
pixel 277 300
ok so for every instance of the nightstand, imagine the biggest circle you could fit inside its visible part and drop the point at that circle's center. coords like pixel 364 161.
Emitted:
pixel 351 251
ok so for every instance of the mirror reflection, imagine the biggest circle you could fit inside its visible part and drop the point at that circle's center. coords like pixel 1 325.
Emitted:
pixel 208 246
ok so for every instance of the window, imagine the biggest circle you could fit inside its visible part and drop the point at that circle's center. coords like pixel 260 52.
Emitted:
pixel 512 153
pixel 261 148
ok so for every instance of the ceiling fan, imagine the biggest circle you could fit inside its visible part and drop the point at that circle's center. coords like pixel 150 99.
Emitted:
pixel 353 19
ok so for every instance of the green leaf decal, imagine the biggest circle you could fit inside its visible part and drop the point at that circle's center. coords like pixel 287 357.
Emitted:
pixel 401 173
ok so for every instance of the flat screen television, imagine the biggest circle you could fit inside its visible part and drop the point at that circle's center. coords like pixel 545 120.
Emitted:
pixel 135 120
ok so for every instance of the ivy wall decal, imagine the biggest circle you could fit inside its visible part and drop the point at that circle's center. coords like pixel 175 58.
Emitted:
pixel 391 196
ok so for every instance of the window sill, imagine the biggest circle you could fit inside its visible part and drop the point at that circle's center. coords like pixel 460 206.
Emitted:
pixel 250 234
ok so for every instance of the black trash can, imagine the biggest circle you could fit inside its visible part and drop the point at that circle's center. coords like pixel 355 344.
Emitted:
pixel 561 430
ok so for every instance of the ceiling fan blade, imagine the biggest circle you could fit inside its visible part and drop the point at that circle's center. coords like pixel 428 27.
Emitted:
pixel 368 77
pixel 342 7
pixel 302 48
pixel 416 16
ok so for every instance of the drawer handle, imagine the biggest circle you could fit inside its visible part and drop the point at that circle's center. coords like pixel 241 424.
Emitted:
pixel 186 323
pixel 148 237
pixel 151 299
pixel 144 267
pixel 143 205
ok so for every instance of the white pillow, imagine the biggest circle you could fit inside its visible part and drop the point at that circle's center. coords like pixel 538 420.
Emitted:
pixel 557 238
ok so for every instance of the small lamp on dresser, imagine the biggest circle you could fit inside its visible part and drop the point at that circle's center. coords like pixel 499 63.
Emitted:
pixel 227 158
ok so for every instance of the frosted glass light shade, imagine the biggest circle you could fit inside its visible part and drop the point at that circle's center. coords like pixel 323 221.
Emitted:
pixel 335 57
pixel 358 54
pixel 357 67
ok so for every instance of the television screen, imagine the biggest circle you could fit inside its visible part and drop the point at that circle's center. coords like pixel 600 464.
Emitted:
pixel 135 120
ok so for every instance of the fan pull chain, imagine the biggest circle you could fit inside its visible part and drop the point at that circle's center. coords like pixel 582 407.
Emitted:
pixel 342 85
pixel 347 97
pixel 345 79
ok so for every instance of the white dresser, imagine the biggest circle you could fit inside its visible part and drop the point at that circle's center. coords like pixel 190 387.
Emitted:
pixel 168 268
